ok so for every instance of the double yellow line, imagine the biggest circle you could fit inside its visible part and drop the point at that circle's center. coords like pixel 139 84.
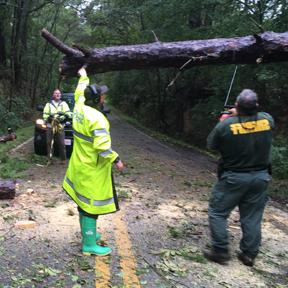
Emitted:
pixel 127 259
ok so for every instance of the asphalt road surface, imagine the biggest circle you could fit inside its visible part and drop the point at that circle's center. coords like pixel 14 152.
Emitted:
pixel 156 238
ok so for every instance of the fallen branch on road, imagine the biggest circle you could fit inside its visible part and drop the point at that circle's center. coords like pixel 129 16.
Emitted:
pixel 163 276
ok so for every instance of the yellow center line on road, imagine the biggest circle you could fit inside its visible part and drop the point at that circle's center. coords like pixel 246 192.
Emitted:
pixel 102 271
pixel 127 259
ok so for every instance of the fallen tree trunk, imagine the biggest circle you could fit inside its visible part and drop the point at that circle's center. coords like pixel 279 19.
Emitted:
pixel 11 136
pixel 262 48
pixel 7 189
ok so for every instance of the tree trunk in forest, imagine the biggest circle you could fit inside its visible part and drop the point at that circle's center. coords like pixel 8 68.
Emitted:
pixel 18 44
pixel 2 48
pixel 18 40
pixel 262 48
pixel 38 67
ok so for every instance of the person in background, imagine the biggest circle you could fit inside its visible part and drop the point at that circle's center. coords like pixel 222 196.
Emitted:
pixel 56 109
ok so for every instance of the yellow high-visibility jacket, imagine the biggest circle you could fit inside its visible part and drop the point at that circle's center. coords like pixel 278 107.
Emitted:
pixel 51 109
pixel 88 178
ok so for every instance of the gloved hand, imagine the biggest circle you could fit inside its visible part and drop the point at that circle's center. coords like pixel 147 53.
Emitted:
pixel 82 72
pixel 62 118
pixel 50 118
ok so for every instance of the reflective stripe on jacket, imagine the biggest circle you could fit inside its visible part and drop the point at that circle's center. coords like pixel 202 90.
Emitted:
pixel 51 109
pixel 88 178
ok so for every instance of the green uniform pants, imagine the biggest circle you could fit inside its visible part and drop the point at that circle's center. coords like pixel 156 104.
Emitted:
pixel 247 190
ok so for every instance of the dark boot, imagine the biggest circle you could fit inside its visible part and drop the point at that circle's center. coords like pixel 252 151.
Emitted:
pixel 221 257
pixel 245 259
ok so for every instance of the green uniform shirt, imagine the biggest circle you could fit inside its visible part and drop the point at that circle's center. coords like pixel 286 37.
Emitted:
pixel 243 142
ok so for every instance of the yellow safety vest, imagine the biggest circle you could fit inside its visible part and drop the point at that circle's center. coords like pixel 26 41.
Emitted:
pixel 88 178
pixel 51 109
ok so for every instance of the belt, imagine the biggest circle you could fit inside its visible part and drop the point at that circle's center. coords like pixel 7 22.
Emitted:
pixel 248 171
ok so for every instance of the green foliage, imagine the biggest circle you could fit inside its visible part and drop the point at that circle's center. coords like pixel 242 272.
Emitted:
pixel 23 134
pixel 10 120
pixel 188 253
pixel 30 67
pixel 279 157
pixel 10 166
pixel 124 194
pixel 280 162
pixel 14 119
pixel 186 229
pixel 193 255
pixel 174 232
pixel 278 188
pixel 37 159
pixel 198 182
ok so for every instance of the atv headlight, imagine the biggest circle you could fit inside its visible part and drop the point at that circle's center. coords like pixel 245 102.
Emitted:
pixel 41 123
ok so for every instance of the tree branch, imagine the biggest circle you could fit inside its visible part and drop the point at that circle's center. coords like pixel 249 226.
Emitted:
pixel 257 24
pixel 60 45
pixel 246 6
pixel 40 6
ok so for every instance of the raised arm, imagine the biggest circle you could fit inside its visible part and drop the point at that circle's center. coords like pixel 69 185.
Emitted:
pixel 82 84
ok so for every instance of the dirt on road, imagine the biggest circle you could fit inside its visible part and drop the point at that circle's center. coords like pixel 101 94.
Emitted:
pixel 156 238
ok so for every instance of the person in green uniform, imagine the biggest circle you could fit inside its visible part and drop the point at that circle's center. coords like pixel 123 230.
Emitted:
pixel 244 143
pixel 88 179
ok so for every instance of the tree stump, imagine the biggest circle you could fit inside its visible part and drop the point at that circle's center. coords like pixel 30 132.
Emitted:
pixel 7 189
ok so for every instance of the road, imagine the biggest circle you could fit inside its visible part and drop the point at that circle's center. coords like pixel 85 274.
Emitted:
pixel 156 238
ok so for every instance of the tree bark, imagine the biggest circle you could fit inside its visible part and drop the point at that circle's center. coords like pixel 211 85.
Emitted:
pixel 254 49
pixel 2 48
pixel 7 189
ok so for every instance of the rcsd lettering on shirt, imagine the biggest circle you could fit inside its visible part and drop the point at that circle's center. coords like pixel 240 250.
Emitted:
pixel 250 127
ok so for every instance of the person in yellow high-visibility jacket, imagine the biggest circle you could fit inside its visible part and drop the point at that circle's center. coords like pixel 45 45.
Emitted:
pixel 59 109
pixel 88 179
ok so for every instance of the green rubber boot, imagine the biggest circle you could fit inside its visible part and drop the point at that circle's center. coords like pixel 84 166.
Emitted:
pixel 89 246
pixel 98 235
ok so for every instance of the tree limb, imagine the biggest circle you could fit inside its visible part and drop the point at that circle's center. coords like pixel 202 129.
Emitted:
pixel 60 45
pixel 40 6
pixel 269 47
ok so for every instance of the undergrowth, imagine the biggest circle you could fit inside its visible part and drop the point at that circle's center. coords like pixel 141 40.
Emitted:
pixel 10 166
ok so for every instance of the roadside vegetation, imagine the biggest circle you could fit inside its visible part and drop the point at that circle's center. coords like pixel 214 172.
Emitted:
pixel 279 186
pixel 12 166
pixel 278 189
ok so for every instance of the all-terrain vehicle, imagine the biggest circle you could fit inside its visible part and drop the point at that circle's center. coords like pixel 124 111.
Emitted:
pixel 40 132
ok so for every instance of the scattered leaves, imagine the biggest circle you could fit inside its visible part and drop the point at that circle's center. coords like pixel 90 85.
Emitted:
pixel 169 267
